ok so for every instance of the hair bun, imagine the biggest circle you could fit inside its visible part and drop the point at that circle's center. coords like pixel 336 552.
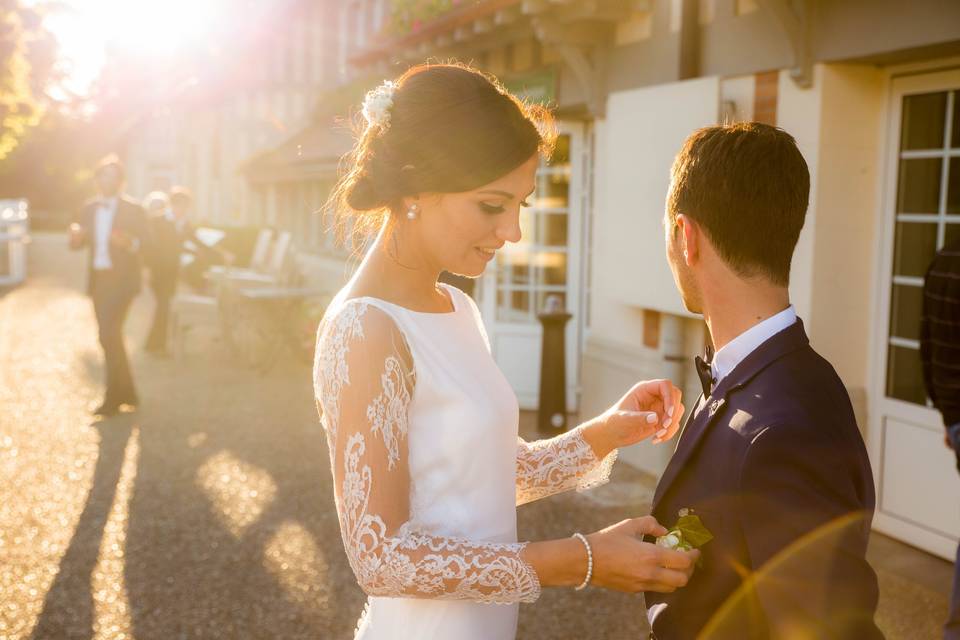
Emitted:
pixel 362 194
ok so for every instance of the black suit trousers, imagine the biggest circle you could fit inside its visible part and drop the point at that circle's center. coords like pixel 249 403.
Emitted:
pixel 163 291
pixel 111 303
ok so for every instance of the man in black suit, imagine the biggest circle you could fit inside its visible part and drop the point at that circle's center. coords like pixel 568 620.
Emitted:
pixel 114 227
pixel 172 233
pixel 770 458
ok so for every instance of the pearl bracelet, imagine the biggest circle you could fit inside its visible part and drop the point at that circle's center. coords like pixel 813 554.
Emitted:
pixel 582 538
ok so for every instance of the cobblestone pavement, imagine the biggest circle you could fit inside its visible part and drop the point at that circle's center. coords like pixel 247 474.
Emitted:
pixel 209 513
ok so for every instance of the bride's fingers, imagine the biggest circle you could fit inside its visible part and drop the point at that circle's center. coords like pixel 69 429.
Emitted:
pixel 666 397
pixel 667 580
pixel 640 424
pixel 670 430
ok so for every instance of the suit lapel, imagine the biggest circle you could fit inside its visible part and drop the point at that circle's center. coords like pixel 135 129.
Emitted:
pixel 703 417
pixel 697 424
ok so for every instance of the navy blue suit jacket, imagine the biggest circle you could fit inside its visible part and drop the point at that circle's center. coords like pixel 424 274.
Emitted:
pixel 775 466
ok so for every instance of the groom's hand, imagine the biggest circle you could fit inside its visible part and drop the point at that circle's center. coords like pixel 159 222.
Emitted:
pixel 622 562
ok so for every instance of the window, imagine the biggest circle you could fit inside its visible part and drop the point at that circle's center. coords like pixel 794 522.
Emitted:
pixel 927 218
pixel 536 268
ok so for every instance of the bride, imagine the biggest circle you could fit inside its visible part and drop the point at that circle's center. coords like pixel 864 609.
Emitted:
pixel 422 426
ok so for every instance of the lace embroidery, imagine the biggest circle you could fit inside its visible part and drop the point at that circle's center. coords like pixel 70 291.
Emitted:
pixel 547 467
pixel 388 413
pixel 330 362
pixel 411 562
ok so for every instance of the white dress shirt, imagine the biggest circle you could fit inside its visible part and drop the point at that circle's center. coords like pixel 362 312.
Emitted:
pixel 102 228
pixel 733 353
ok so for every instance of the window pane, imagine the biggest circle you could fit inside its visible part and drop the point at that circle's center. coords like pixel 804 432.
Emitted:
pixel 955 143
pixel 553 269
pixel 561 152
pixel 914 248
pixel 953 186
pixel 905 375
pixel 919 189
pixel 557 192
pixel 923 119
pixel 554 229
pixel 513 306
pixel 519 274
pixel 513 268
pixel 952 235
pixel 905 311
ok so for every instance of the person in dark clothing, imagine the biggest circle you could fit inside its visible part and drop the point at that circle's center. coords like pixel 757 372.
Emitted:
pixel 172 234
pixel 940 353
pixel 114 228
pixel 770 458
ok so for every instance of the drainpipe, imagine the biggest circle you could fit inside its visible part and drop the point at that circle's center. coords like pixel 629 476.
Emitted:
pixel 689 58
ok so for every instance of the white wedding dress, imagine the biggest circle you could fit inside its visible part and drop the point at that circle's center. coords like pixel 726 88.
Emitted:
pixel 428 469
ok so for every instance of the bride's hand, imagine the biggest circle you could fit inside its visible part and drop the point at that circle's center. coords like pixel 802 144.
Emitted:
pixel 622 562
pixel 650 408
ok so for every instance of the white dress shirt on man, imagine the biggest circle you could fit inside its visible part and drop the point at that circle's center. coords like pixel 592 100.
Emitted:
pixel 102 228
pixel 734 352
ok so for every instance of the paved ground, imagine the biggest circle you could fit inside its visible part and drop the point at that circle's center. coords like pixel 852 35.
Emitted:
pixel 209 513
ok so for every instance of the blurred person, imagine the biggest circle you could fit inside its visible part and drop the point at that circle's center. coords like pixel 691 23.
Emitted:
pixel 422 425
pixel 771 457
pixel 940 354
pixel 172 234
pixel 114 228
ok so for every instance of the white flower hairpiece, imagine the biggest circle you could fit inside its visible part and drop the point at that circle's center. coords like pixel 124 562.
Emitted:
pixel 377 104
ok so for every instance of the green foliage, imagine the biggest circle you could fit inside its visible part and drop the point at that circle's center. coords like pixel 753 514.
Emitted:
pixel 688 533
pixel 26 61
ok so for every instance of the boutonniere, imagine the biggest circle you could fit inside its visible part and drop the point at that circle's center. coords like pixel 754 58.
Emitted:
pixel 688 533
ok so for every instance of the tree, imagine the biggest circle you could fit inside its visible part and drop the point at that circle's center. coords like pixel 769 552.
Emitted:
pixel 27 53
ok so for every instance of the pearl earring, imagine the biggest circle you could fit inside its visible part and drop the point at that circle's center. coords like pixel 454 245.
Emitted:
pixel 413 211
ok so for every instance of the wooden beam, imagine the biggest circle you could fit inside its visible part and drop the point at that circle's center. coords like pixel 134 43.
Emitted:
pixel 578 35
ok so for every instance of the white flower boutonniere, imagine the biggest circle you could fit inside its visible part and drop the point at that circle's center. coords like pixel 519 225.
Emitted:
pixel 377 105
pixel 689 533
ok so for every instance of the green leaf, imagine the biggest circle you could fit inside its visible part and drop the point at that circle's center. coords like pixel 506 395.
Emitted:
pixel 693 531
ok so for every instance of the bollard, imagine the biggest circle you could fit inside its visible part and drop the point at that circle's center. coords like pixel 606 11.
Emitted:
pixel 552 407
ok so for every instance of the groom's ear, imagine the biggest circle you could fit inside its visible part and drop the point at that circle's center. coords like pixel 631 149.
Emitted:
pixel 690 238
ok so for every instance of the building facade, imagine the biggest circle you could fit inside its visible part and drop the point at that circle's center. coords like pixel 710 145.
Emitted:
pixel 260 90
pixel 870 90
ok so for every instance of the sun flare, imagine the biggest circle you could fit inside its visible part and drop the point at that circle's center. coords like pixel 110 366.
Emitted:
pixel 86 29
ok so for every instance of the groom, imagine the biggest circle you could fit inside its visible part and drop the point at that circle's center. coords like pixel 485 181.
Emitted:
pixel 770 457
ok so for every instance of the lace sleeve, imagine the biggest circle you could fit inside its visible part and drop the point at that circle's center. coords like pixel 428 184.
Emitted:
pixel 364 379
pixel 546 467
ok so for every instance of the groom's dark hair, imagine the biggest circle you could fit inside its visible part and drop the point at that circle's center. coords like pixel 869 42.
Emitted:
pixel 747 186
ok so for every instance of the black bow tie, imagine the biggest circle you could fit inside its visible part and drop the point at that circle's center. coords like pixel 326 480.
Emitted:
pixel 705 372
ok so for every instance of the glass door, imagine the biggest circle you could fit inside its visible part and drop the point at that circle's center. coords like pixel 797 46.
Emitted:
pixel 922 214
pixel 545 264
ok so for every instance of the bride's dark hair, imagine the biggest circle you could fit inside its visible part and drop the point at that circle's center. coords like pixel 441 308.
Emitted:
pixel 451 129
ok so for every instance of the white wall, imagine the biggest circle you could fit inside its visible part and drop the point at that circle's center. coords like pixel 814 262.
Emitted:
pixel 635 147
pixel 837 125
pixel 645 130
